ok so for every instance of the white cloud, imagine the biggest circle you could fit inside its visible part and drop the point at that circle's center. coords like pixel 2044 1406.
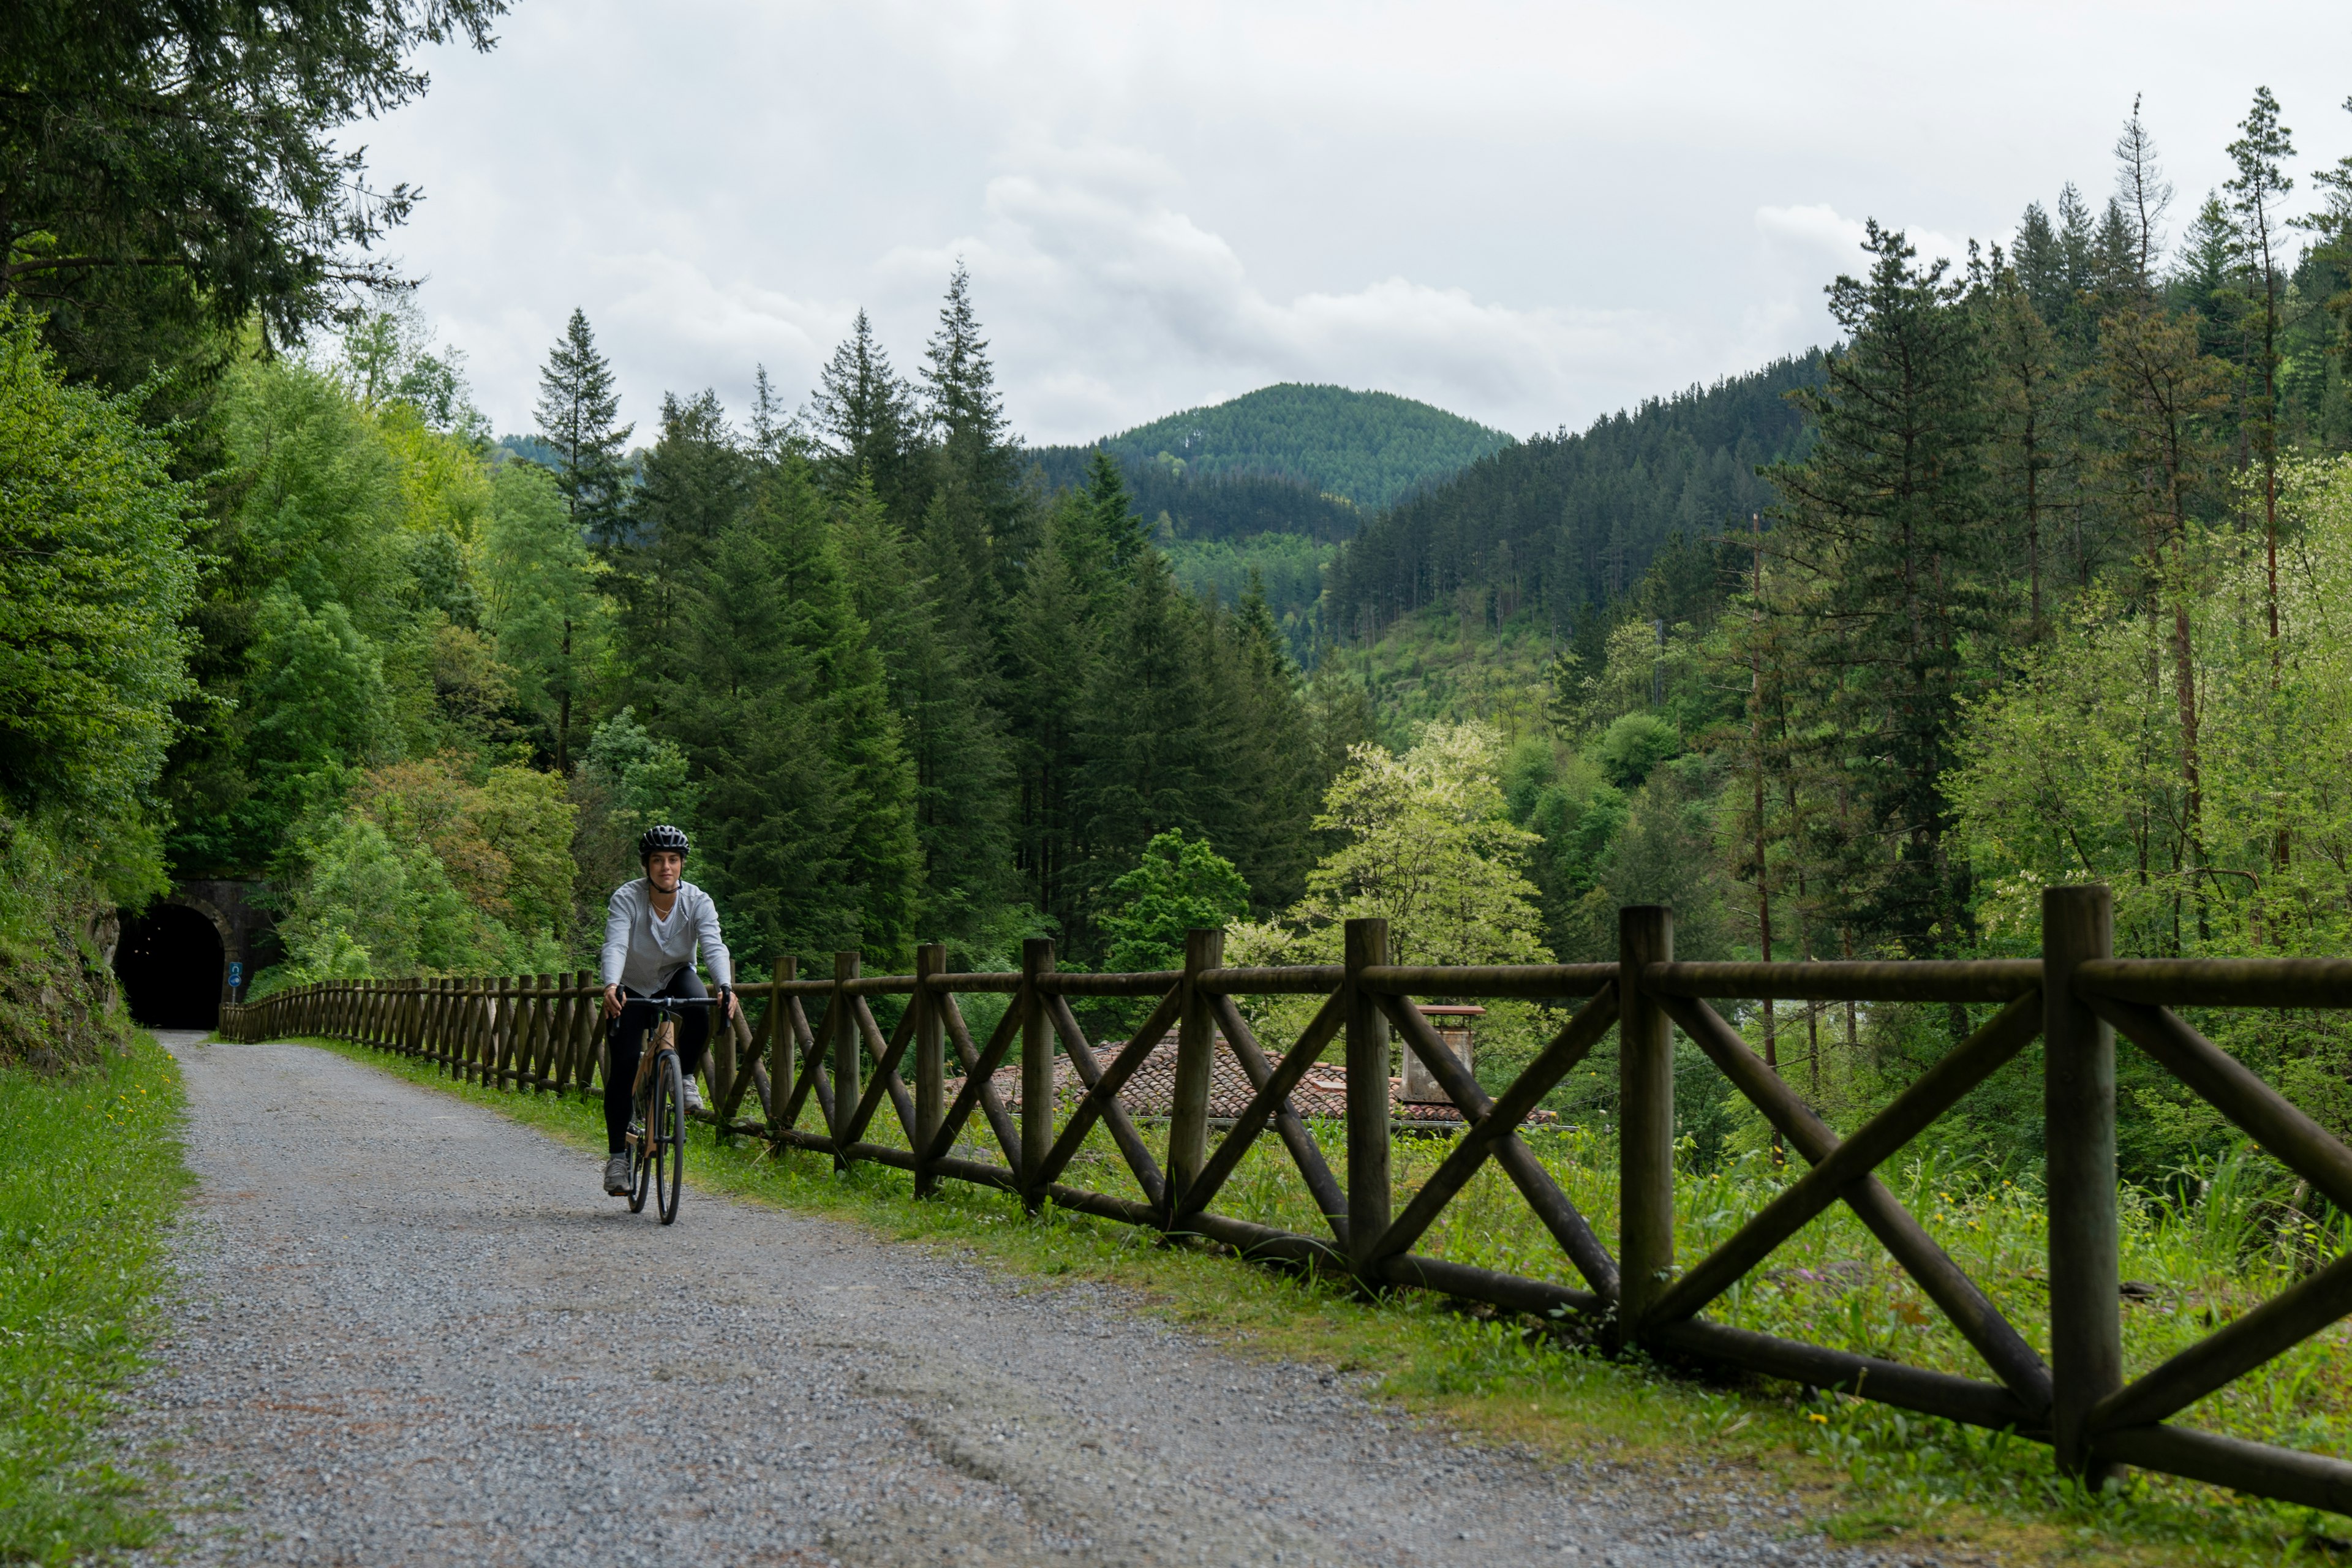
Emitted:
pixel 1090 265
pixel 1819 234
pixel 1533 214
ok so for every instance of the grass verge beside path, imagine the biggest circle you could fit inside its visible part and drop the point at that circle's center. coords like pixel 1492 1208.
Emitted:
pixel 91 1180
pixel 1862 1472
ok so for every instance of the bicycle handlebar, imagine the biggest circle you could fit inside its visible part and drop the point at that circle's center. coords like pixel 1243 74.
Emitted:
pixel 674 1002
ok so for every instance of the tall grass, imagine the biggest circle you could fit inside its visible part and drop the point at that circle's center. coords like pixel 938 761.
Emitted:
pixel 91 1179
pixel 2218 1240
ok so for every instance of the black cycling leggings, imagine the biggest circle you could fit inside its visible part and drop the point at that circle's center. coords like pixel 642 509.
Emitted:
pixel 626 1039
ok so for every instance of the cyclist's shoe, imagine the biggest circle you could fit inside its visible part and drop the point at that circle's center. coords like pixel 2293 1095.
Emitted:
pixel 693 1097
pixel 616 1176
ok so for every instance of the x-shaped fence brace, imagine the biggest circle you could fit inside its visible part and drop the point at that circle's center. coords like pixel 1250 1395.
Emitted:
pixel 538 1033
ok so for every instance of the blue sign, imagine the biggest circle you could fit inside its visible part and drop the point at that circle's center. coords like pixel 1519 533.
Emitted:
pixel 235 975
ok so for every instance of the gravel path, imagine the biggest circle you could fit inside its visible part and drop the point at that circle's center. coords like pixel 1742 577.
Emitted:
pixel 416 1332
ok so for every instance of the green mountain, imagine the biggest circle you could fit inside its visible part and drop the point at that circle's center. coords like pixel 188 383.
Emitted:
pixel 1572 520
pixel 1370 448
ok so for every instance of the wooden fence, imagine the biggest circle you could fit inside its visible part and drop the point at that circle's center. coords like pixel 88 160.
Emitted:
pixel 542 1033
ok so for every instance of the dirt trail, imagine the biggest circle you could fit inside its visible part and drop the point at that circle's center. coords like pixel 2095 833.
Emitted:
pixel 416 1333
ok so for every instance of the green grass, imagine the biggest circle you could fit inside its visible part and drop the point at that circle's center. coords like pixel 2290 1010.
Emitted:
pixel 1863 1471
pixel 92 1179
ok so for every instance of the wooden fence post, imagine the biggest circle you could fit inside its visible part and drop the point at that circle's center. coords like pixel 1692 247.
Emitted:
pixel 540 1059
pixel 1368 1094
pixel 585 1006
pixel 784 1048
pixel 458 1033
pixel 587 1029
pixel 1037 1070
pixel 563 1013
pixel 2079 1114
pixel 480 1021
pixel 521 1036
pixel 720 1058
pixel 500 1059
pixel 847 1082
pixel 1645 1110
pixel 1196 1047
pixel 497 1017
pixel 504 1050
pixel 931 1061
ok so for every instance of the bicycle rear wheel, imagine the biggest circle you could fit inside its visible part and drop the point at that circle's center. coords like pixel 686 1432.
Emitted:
pixel 666 1132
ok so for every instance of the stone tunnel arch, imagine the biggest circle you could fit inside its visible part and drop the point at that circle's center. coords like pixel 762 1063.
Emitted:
pixel 173 961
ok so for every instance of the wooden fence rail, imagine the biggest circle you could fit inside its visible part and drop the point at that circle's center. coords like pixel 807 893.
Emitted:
pixel 542 1034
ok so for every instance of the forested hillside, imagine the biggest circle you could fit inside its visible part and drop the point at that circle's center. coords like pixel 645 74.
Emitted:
pixel 2046 585
pixel 1571 519
pixel 1183 505
pixel 2037 577
pixel 1368 448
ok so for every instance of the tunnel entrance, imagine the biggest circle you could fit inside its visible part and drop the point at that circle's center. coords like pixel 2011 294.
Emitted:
pixel 170 964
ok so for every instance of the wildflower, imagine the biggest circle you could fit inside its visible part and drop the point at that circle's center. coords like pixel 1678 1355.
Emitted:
pixel 1817 1416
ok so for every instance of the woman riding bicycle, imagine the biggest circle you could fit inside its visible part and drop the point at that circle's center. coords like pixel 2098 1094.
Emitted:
pixel 652 927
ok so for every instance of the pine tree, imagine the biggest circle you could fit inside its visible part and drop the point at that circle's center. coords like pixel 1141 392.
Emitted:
pixel 954 736
pixel 2207 278
pixel 1883 524
pixel 2163 403
pixel 774 432
pixel 1274 760
pixel 865 424
pixel 577 402
pixel 2331 231
pixel 788 718
pixel 2145 196
pixel 2256 193
pixel 1053 645
pixel 2028 451
pixel 1119 531
pixel 698 483
pixel 977 491
pixel 1150 755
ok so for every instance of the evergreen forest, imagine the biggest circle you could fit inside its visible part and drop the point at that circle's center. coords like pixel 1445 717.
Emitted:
pixel 2033 575
pixel 1371 449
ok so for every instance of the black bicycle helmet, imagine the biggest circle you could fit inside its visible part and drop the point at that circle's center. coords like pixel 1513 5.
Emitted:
pixel 662 838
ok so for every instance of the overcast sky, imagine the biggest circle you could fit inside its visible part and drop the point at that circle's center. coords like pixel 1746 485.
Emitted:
pixel 1530 214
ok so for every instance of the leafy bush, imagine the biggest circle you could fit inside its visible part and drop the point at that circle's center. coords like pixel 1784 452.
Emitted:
pixel 1178 886
pixel 1634 745
pixel 95 578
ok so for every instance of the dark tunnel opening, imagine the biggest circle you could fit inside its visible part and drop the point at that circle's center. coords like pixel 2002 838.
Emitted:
pixel 170 965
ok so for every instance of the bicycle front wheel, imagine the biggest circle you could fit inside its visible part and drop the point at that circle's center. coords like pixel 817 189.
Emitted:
pixel 666 1132
pixel 641 1167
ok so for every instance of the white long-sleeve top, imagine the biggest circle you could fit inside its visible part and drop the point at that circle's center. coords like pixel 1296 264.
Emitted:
pixel 641 952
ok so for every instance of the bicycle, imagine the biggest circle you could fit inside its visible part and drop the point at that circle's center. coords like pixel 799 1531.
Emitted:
pixel 657 1136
